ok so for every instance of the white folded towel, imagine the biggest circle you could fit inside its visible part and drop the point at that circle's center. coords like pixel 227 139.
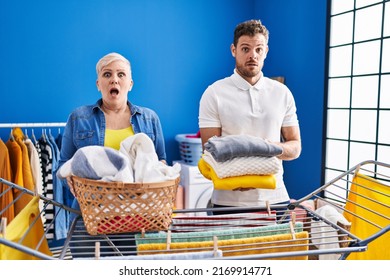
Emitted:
pixel 239 166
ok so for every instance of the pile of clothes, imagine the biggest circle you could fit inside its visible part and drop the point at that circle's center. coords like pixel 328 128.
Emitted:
pixel 240 161
pixel 136 161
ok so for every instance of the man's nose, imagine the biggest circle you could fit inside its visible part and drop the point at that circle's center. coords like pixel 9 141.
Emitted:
pixel 254 55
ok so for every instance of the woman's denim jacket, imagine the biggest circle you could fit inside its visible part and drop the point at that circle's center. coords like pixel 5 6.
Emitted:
pixel 86 126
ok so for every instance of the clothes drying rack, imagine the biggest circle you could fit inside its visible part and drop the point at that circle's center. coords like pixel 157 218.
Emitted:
pixel 220 234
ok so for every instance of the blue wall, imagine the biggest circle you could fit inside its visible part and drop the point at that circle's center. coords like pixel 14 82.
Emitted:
pixel 297 49
pixel 177 48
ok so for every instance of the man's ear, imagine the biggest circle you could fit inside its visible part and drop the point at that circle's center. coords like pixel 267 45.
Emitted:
pixel 266 52
pixel 233 50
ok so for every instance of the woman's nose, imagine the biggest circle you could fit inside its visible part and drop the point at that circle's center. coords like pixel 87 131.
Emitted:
pixel 114 79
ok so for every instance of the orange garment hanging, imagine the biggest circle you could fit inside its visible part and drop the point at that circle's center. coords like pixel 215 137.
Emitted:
pixel 21 169
pixel 5 172
pixel 379 249
pixel 35 236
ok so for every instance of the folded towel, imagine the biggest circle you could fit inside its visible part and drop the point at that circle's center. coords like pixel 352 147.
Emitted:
pixel 232 146
pixel 177 256
pixel 231 183
pixel 224 234
pixel 143 160
pixel 97 163
pixel 243 165
pixel 236 247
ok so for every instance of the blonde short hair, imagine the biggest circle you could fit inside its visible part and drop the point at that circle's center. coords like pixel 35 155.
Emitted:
pixel 111 57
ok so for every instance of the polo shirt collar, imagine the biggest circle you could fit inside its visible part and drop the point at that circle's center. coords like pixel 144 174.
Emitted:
pixel 242 84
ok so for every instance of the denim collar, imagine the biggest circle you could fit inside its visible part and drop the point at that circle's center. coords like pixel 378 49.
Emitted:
pixel 134 109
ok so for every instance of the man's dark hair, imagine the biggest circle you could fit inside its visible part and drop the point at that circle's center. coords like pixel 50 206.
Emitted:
pixel 250 28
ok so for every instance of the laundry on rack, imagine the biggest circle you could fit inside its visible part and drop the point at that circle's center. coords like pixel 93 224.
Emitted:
pixel 25 229
pixel 325 236
pixel 226 221
pixel 366 199
pixel 202 255
pixel 250 165
pixel 6 193
pixel 224 234
pixel 231 146
pixel 273 244
pixel 234 182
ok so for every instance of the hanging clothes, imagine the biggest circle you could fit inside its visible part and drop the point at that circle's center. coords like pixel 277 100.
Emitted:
pixel 27 229
pixel 28 181
pixel 59 193
pixel 7 196
pixel 16 158
pixel 47 175
pixel 363 202
pixel 36 169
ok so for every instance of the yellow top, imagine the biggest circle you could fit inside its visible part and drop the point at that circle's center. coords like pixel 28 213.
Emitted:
pixel 114 137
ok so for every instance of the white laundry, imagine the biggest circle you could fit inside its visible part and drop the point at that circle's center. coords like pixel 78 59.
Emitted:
pixel 143 160
pixel 324 234
pixel 136 161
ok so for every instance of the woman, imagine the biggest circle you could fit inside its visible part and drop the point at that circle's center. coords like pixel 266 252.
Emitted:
pixel 112 118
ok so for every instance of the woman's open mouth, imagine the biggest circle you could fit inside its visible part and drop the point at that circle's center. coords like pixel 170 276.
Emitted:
pixel 114 91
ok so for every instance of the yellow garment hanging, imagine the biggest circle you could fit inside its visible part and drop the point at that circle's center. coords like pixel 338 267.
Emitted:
pixel 244 246
pixel 379 249
pixel 18 227
pixel 231 183
pixel 7 193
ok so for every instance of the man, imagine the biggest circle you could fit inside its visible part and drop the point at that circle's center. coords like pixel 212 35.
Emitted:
pixel 249 103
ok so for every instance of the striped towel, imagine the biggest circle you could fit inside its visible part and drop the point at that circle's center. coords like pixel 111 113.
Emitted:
pixel 224 234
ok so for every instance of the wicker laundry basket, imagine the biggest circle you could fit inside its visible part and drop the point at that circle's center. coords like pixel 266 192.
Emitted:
pixel 116 207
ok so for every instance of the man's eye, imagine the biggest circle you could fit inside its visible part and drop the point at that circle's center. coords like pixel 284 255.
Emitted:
pixel 245 49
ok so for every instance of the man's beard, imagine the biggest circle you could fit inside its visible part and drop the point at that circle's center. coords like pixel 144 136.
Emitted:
pixel 248 73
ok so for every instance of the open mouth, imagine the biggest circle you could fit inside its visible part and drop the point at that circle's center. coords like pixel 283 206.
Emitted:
pixel 114 91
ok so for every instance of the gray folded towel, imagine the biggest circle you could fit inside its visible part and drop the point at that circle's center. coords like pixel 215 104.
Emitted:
pixel 231 146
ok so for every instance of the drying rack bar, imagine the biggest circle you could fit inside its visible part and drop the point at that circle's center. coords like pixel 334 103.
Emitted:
pixel 301 232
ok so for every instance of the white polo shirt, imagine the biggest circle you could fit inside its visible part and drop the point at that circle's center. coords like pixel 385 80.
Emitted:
pixel 260 110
